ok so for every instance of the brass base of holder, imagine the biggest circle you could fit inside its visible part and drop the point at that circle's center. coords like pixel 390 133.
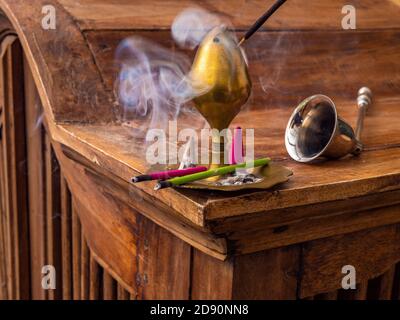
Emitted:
pixel 217 154
pixel 271 175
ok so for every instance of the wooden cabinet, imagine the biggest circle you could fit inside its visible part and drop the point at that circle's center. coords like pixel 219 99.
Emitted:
pixel 67 156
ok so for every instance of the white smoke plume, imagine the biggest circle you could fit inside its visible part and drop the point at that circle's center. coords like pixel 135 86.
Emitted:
pixel 192 24
pixel 154 84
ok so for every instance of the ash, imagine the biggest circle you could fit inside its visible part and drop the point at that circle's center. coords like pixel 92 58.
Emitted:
pixel 238 179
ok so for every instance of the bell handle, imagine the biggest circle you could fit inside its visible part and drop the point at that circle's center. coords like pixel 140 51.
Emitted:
pixel 364 100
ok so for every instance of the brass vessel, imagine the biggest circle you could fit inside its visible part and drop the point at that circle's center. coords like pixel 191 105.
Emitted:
pixel 220 71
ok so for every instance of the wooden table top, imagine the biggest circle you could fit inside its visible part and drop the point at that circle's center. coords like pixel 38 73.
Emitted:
pixel 302 51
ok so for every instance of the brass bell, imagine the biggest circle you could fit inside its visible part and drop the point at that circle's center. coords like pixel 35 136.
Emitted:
pixel 315 129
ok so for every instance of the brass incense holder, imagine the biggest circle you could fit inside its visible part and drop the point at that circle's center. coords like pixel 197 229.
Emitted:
pixel 220 67
pixel 220 70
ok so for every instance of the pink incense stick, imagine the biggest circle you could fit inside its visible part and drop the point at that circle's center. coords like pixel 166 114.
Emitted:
pixel 237 151
pixel 165 175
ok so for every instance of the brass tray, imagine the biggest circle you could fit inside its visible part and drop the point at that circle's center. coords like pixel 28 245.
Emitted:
pixel 271 174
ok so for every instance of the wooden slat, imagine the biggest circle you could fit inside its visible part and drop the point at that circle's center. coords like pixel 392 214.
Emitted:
pixel 109 287
pixel 3 271
pixel 76 255
pixel 360 293
pixel 6 197
pixel 66 239
pixel 133 296
pixel 116 248
pixel 380 288
pixel 327 296
pixel 163 264
pixel 15 126
pixel 5 281
pixel 85 269
pixel 95 280
pixel 3 262
pixel 16 174
pixel 122 293
pixel 386 287
pixel 211 278
pixel 53 224
pixel 36 184
pixel 267 275
pixel 396 283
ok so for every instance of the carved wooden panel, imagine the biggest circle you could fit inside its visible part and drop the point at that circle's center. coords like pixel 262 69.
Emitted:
pixel 38 226
pixel 14 177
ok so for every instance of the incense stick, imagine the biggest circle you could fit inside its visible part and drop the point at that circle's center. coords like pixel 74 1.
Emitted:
pixel 163 175
pixel 237 150
pixel 257 25
pixel 210 173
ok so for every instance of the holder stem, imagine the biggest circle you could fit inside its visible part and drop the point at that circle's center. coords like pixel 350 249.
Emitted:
pixel 217 150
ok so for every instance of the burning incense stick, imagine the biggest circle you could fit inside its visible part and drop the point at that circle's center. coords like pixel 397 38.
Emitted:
pixel 163 175
pixel 210 173
pixel 188 158
pixel 257 25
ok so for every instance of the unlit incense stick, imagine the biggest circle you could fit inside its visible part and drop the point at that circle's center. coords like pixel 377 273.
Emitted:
pixel 163 175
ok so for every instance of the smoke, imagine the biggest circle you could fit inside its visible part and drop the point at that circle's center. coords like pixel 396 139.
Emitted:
pixel 154 84
pixel 269 81
pixel 273 56
pixel 192 24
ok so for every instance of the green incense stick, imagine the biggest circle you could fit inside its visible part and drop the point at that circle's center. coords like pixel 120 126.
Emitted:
pixel 210 173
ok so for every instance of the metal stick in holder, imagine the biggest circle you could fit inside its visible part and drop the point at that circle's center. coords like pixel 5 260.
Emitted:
pixel 315 129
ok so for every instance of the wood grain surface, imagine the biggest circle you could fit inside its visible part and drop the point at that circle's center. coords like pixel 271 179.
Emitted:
pixel 296 14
